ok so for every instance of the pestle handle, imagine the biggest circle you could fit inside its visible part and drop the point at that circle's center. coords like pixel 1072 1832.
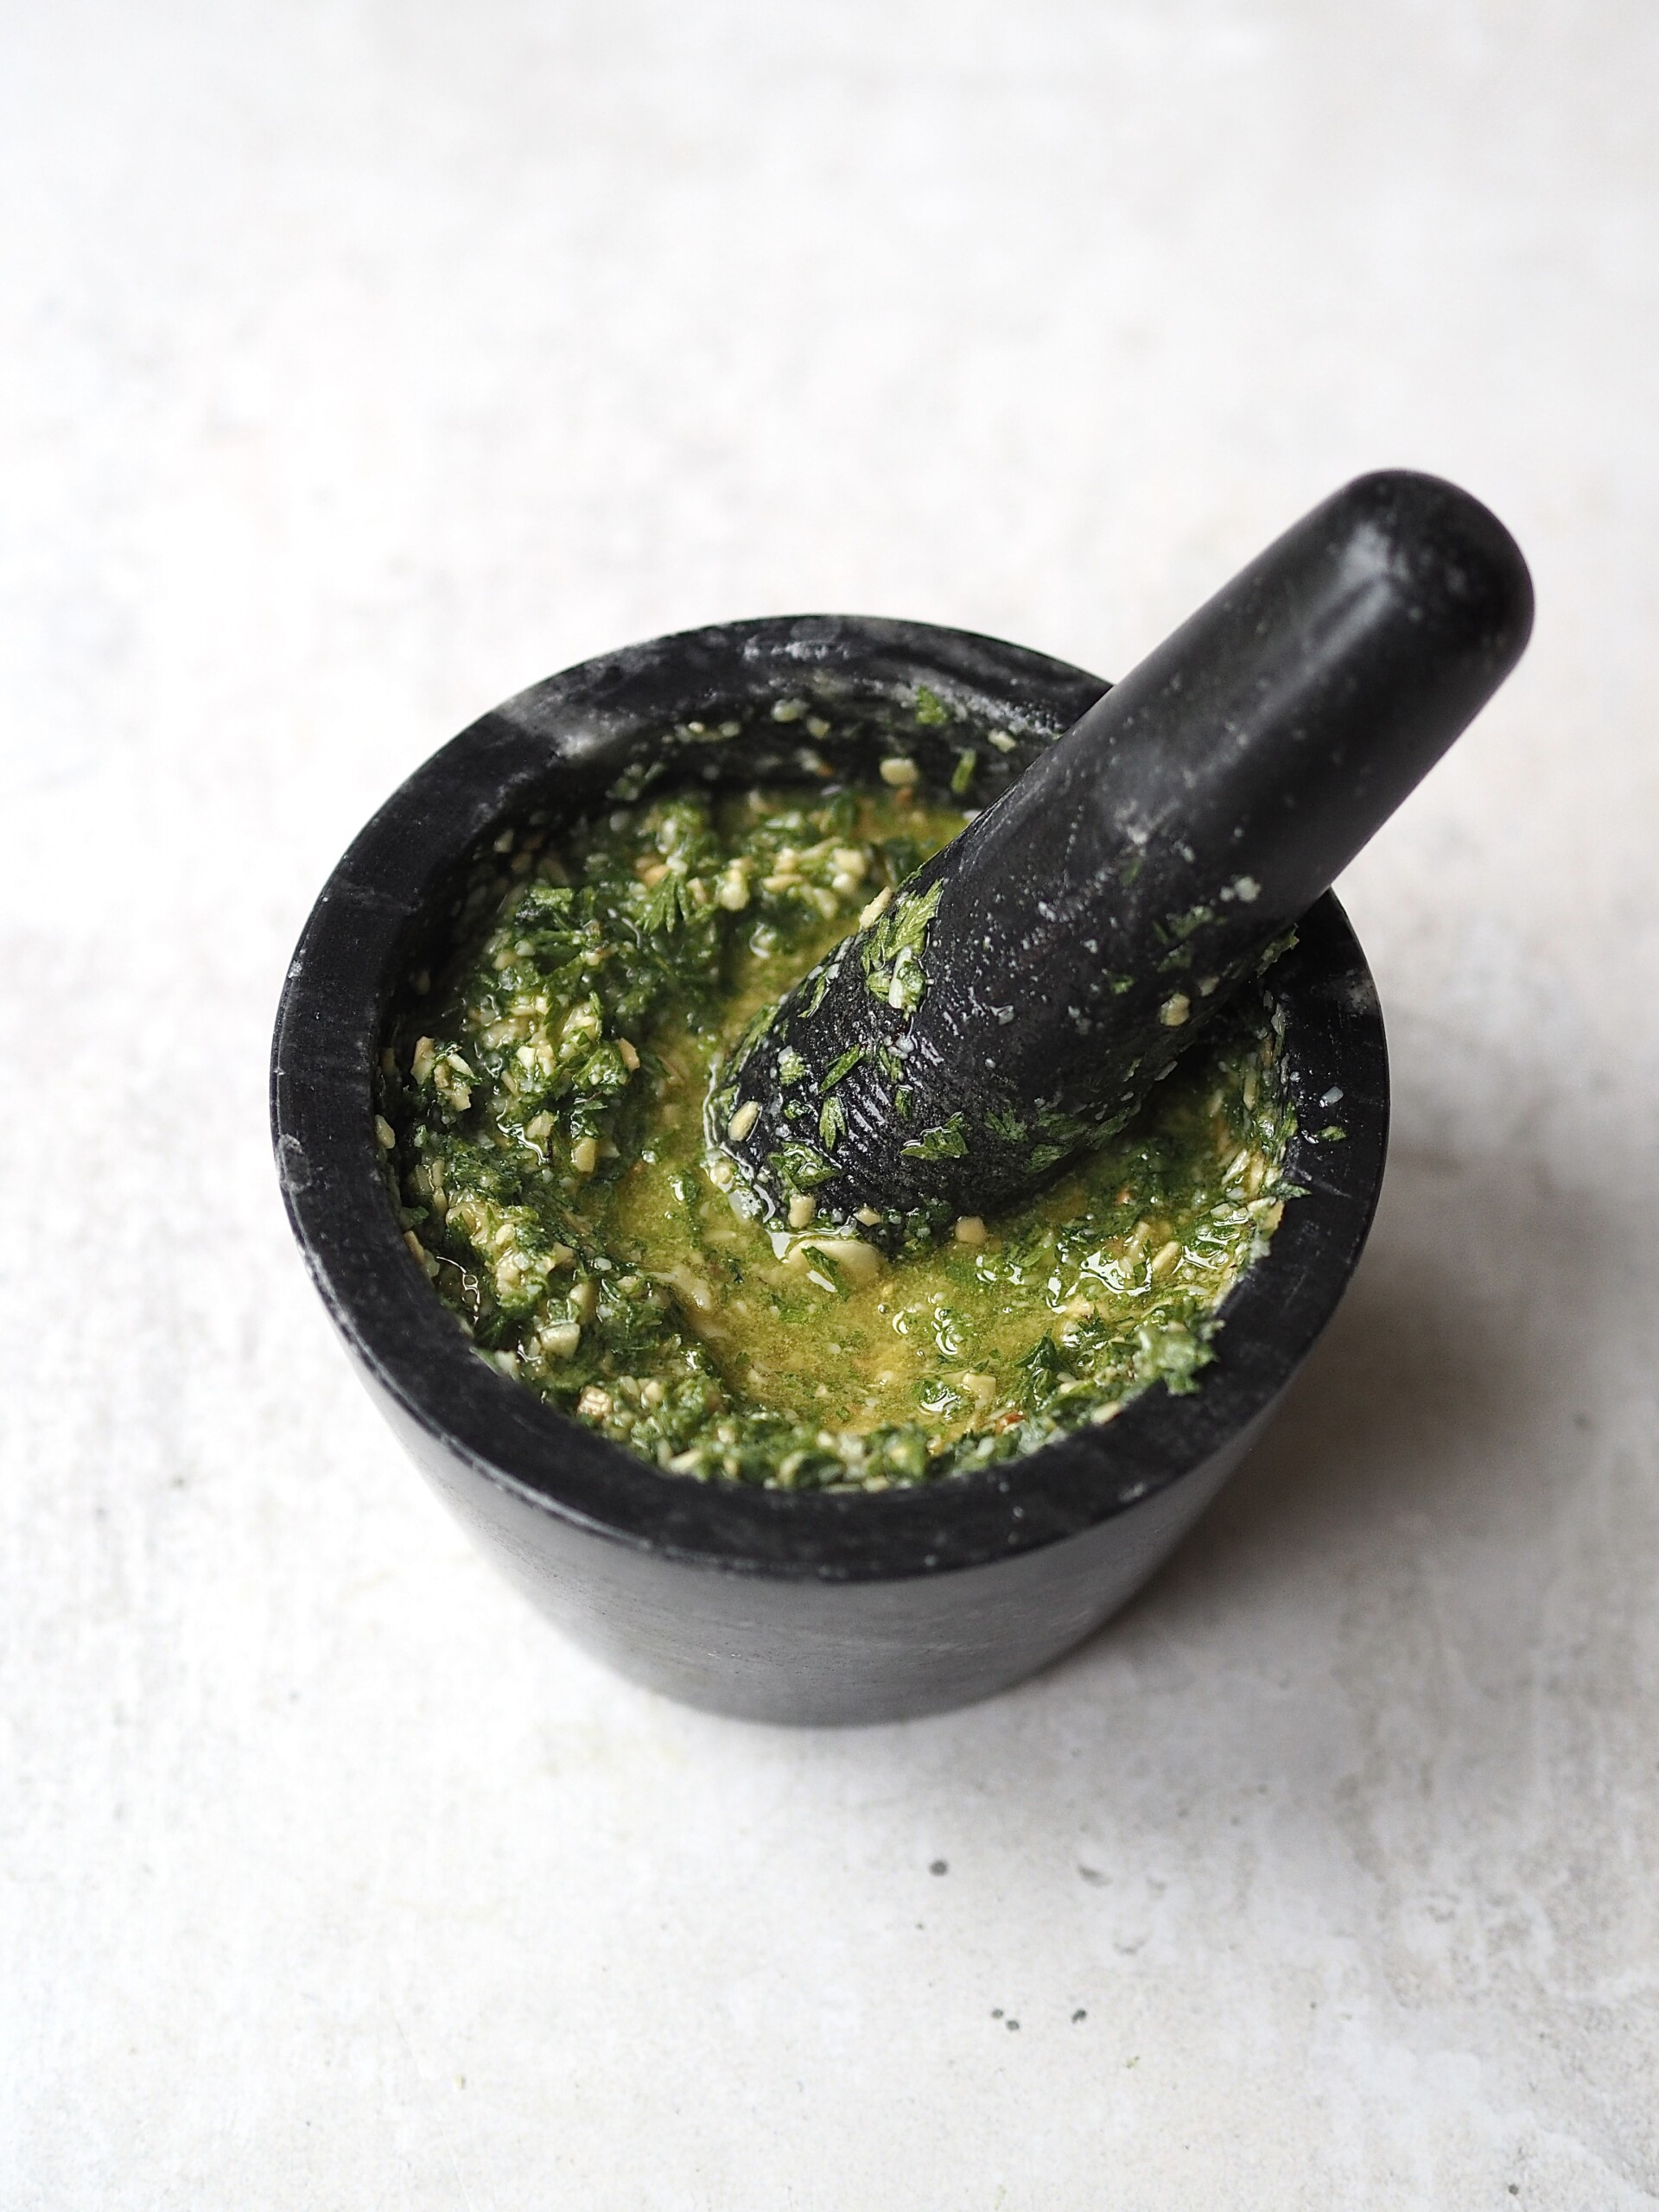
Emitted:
pixel 1032 981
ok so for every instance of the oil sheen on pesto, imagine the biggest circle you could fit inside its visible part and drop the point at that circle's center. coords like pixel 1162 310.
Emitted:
pixel 543 1116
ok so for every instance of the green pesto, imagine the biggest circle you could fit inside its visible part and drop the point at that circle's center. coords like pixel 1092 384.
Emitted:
pixel 543 1120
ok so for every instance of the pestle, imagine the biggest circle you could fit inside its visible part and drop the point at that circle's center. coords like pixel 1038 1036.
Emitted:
pixel 1025 987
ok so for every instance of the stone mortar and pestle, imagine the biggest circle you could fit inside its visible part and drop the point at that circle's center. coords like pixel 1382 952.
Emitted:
pixel 1147 849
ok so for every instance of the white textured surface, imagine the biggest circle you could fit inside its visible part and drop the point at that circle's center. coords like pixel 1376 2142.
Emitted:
pixel 361 364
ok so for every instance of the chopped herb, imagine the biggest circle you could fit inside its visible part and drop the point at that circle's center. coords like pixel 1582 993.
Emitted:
pixel 800 1166
pixel 944 1141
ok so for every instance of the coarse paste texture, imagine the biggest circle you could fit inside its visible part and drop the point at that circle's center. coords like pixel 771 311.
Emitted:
pixel 543 1109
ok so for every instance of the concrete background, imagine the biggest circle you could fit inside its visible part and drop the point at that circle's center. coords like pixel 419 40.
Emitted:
pixel 361 363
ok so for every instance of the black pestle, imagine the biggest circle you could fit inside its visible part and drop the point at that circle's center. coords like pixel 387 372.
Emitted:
pixel 1026 987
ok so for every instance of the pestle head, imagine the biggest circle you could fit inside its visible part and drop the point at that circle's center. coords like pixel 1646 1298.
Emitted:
pixel 1028 985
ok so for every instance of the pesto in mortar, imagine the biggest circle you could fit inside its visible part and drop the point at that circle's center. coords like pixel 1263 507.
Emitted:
pixel 543 1120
